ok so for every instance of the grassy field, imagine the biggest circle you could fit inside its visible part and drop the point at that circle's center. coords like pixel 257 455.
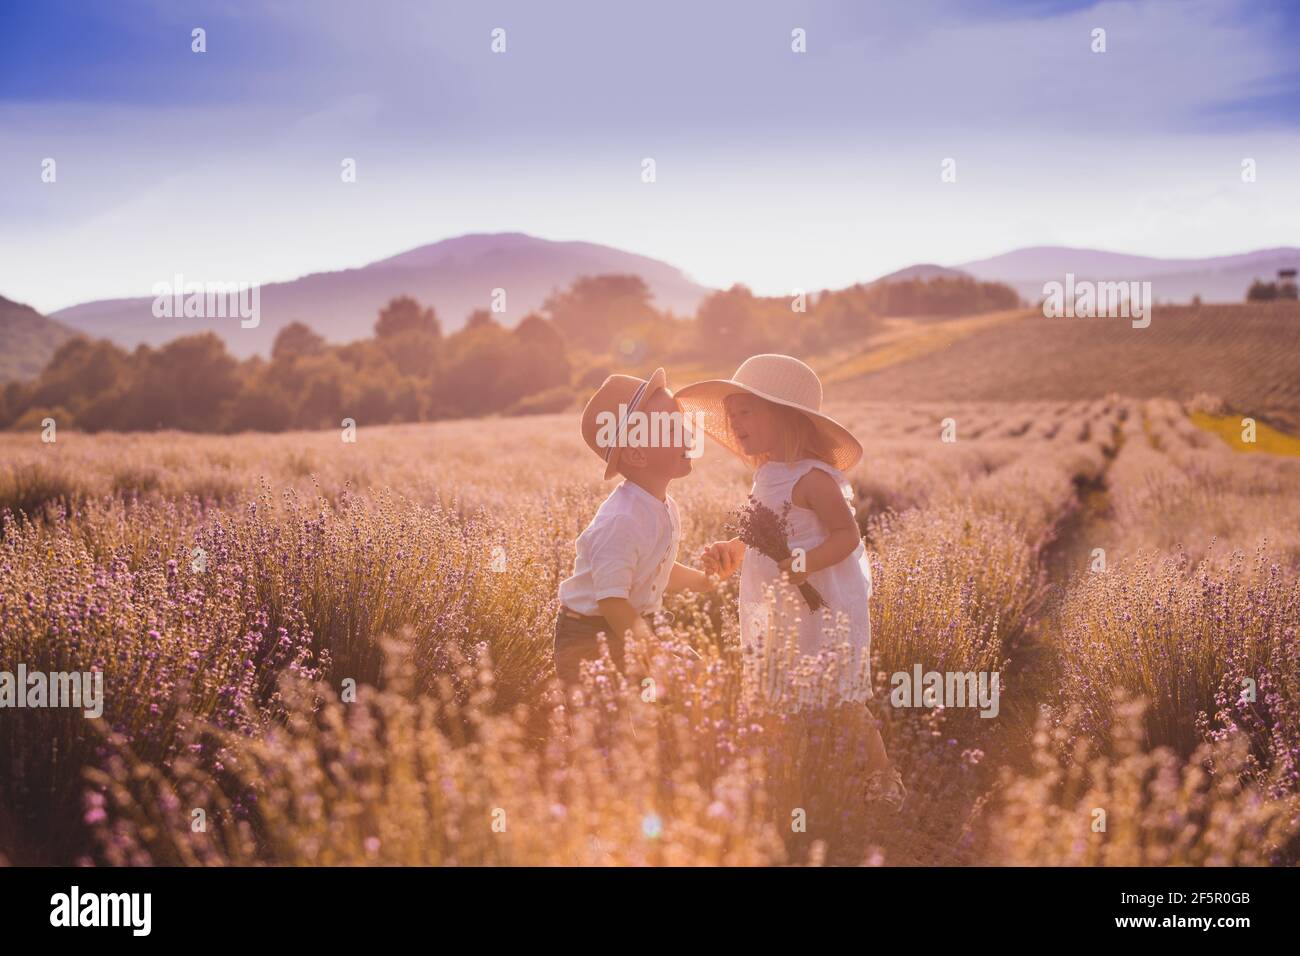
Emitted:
pixel 1123 568
pixel 1246 356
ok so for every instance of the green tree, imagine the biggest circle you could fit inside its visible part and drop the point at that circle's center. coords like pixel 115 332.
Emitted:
pixel 481 319
pixel 593 311
pixel 79 375
pixel 1261 291
pixel 296 339
pixel 478 357
pixel 185 384
pixel 737 322
pixel 410 336
pixel 261 406
pixel 403 315
pixel 533 361
pixel 324 396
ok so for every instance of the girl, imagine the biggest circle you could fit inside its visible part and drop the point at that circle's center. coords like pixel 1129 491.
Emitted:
pixel 769 414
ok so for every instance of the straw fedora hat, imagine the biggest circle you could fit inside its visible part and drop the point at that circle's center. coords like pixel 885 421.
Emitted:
pixel 781 379
pixel 620 395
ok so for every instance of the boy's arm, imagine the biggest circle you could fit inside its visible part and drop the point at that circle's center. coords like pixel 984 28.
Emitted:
pixel 621 617
pixel 723 558
pixel 684 578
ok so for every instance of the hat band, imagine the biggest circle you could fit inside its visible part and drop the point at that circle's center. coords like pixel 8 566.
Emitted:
pixel 627 410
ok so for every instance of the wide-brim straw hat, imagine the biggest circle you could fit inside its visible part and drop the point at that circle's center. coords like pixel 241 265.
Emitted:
pixel 783 380
pixel 619 395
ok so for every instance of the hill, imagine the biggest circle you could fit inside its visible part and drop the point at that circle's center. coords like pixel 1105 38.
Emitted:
pixel 1248 355
pixel 455 276
pixel 27 340
pixel 1215 279
pixel 922 270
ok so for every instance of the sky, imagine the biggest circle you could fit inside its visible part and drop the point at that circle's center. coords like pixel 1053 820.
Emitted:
pixel 776 169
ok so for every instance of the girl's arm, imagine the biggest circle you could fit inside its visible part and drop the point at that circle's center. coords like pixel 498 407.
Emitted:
pixel 821 493
pixel 684 578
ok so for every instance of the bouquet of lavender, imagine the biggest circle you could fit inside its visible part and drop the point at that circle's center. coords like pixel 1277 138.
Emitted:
pixel 768 533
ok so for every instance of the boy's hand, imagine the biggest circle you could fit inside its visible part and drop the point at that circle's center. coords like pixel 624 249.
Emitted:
pixel 723 558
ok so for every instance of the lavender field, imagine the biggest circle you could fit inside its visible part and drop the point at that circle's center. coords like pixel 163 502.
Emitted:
pixel 333 653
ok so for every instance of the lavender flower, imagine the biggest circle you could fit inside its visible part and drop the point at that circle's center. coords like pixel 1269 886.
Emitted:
pixel 768 533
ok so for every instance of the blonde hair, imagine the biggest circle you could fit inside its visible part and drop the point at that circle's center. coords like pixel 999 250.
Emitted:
pixel 799 437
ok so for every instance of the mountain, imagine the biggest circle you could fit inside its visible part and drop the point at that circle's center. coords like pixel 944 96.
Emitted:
pixel 455 276
pixel 458 275
pixel 27 340
pixel 1216 279
pixel 923 270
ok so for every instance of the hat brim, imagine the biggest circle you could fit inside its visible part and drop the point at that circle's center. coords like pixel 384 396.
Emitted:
pixel 656 381
pixel 709 397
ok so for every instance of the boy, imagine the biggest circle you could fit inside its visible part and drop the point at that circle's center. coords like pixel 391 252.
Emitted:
pixel 626 557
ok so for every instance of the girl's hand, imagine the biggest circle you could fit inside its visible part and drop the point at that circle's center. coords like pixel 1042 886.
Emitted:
pixel 796 577
pixel 723 558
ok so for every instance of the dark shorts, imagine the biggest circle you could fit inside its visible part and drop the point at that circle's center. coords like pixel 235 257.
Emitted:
pixel 576 641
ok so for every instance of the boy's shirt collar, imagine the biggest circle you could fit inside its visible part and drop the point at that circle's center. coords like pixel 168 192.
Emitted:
pixel 638 490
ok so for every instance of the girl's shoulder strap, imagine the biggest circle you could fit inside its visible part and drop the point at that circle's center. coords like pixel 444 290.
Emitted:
pixel 806 465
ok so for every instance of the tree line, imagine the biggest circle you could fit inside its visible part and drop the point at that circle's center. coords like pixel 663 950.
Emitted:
pixel 1261 291
pixel 410 371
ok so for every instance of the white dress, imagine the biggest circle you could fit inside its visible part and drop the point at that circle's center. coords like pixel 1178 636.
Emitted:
pixel 791 652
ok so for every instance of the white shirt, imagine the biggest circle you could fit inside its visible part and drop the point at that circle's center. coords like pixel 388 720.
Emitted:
pixel 627 551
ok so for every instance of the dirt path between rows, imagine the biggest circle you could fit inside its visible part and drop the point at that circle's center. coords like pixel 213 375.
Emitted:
pixel 1031 673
